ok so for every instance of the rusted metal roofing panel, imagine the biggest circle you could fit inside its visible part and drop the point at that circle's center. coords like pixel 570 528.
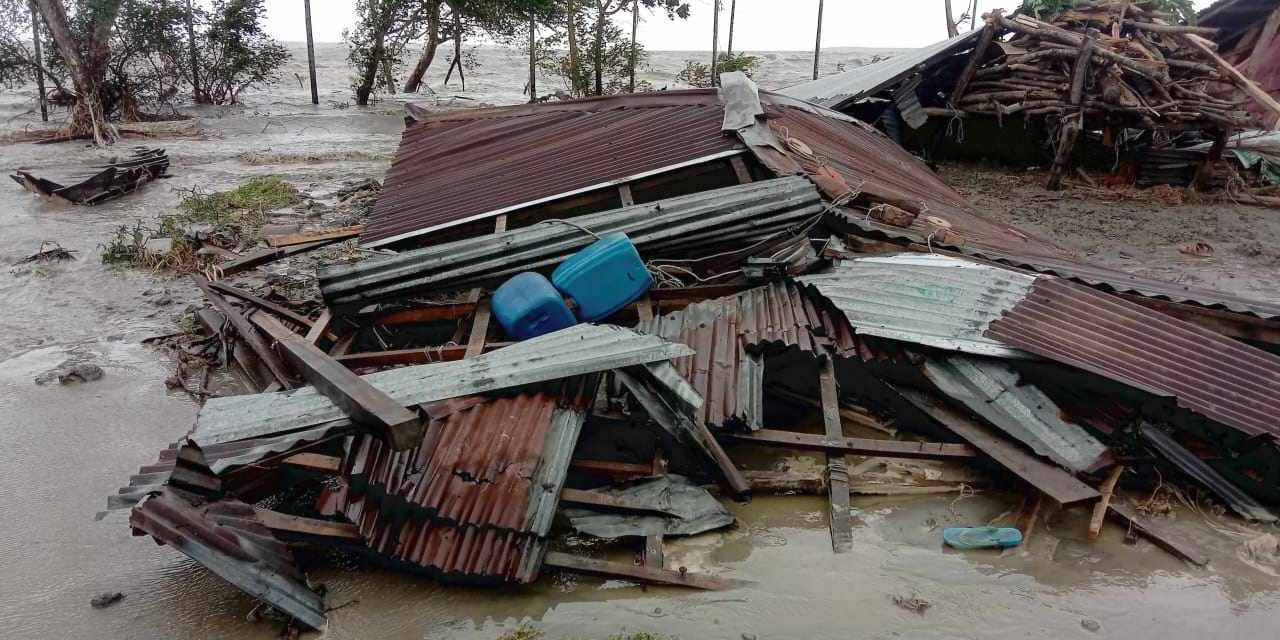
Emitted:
pixel 468 165
pixel 690 225
pixel 226 538
pixel 577 350
pixel 727 335
pixel 991 389
pixel 1239 501
pixel 927 299
pixel 882 171
pixel 475 500
pixel 1222 379
pixel 839 90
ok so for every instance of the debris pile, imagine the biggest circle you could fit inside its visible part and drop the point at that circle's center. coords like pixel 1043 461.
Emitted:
pixel 112 181
pixel 398 422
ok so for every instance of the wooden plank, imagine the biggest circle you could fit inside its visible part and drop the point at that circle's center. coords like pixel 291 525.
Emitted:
pixel 604 502
pixel 837 468
pixel 736 482
pixel 1156 533
pixel 473 297
pixel 320 328
pixel 500 223
pixel 740 169
pixel 263 303
pixel 644 309
pixel 336 233
pixel 1025 521
pixel 854 414
pixel 624 194
pixel 255 370
pixel 265 256
pixel 316 462
pixel 427 313
pixel 341 531
pixel 360 400
pixel 620 470
pixel 856 446
pixel 479 330
pixel 1100 510
pixel 787 482
pixel 1047 477
pixel 653 554
pixel 628 571
pixel 248 334
pixel 343 345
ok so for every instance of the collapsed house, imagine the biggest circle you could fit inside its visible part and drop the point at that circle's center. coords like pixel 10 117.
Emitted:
pixel 1246 38
pixel 1019 85
pixel 801 262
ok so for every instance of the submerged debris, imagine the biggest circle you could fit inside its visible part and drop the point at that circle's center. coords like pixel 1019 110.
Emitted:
pixel 114 180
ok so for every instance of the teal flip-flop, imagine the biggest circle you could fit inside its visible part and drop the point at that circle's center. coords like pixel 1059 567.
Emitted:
pixel 981 537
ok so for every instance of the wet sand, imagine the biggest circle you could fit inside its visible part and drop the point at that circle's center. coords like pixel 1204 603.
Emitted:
pixel 65 448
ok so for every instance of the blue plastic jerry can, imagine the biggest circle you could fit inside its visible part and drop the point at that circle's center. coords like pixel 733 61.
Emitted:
pixel 527 306
pixel 604 277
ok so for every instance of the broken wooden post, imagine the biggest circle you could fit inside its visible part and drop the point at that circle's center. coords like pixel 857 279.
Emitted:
pixel 479 329
pixel 320 327
pixel 837 469
pixel 817 42
pixel 1205 171
pixel 311 53
pixel 975 59
pixel 627 571
pixel 653 551
pixel 35 52
pixel 1100 510
pixel 360 400
pixel 1070 129
pixel 1025 521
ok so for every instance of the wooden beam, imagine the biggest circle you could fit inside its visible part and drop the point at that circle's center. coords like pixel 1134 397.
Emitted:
pixel 433 312
pixel 734 480
pixel 740 169
pixel 620 470
pixel 787 482
pixel 335 234
pixel 975 59
pixel 837 469
pixel 1100 509
pixel 363 402
pixel 320 328
pixel 1050 479
pixel 644 309
pixel 856 446
pixel 653 552
pixel 343 345
pixel 628 571
pixel 604 502
pixel 341 531
pixel 1156 533
pixel 500 223
pixel 248 334
pixel 265 256
pixel 624 194
pixel 263 303
pixel 479 330
pixel 1025 521
pixel 316 462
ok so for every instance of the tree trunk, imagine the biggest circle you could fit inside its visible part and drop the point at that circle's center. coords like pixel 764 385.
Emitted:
pixel 428 52
pixel 370 74
pixel 533 58
pixel 952 30
pixel 597 51
pixel 196 96
pixel 575 65
pixel 631 62
pixel 88 72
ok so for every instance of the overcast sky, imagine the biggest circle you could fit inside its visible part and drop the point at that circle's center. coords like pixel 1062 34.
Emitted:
pixel 761 24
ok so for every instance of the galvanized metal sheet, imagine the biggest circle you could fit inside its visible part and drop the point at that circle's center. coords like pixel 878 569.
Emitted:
pixel 927 299
pixel 577 350
pixel 1217 377
pixel 839 90
pixel 471 164
pixel 992 390
pixel 1200 471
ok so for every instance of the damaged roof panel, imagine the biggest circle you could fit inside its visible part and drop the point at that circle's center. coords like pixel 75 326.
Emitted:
pixel 577 350
pixel 926 299
pixel 1220 378
pixel 461 166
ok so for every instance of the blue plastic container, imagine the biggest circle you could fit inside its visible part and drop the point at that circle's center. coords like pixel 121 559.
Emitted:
pixel 604 277
pixel 528 306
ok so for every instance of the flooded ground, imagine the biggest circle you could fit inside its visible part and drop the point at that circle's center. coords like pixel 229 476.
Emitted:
pixel 66 447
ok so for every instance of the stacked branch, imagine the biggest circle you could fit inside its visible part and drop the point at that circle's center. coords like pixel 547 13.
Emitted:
pixel 1103 59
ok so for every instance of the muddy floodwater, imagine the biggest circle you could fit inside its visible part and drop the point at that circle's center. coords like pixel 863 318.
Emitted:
pixel 63 449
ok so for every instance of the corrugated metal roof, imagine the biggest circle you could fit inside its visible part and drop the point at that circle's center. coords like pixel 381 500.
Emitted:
pixel 839 90
pixel 695 224
pixel 467 165
pixel 992 390
pixel 728 367
pixel 226 538
pixel 475 500
pixel 577 350
pixel 880 170
pixel 1239 501
pixel 1222 379
pixel 927 299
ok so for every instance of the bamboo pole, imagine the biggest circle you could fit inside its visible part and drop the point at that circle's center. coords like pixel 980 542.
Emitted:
pixel 715 43
pixel 311 53
pixel 817 42
pixel 35 43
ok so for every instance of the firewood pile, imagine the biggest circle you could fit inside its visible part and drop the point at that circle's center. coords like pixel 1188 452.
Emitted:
pixel 1108 60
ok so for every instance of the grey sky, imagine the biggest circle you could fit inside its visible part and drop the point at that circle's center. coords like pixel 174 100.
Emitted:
pixel 761 25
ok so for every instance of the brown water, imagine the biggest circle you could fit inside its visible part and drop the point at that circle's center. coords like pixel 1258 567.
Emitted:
pixel 63 449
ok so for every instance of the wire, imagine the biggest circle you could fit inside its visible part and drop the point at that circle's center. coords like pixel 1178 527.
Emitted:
pixel 575 226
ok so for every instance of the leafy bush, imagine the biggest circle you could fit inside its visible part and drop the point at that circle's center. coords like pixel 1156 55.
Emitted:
pixel 697 74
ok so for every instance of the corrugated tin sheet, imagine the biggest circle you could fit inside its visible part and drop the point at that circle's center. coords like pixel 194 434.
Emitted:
pixel 926 299
pixel 882 171
pixel 228 540
pixel 727 334
pixel 577 350
pixel 842 89
pixel 1239 501
pixel 467 165
pixel 1222 379
pixel 693 225
pixel 475 500
pixel 991 389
